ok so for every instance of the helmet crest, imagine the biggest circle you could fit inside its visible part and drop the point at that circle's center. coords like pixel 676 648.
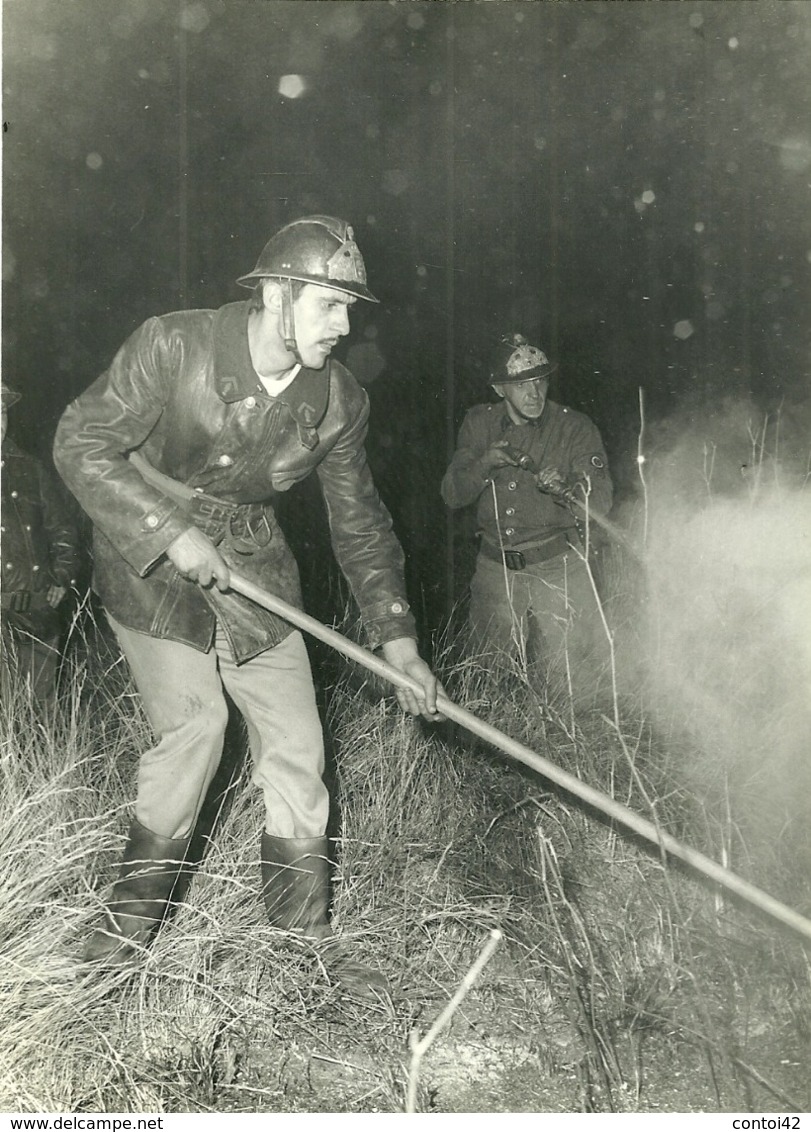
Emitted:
pixel 346 262
pixel 517 360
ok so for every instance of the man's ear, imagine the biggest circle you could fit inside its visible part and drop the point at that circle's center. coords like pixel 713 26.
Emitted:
pixel 272 294
pixel 499 390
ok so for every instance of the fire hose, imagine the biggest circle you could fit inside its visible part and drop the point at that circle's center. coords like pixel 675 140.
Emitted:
pixel 616 533
pixel 568 495
pixel 597 799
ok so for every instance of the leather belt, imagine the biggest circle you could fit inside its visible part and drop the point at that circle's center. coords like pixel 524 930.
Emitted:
pixel 528 556
pixel 247 526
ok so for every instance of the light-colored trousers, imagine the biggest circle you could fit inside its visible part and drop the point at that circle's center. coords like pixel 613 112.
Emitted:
pixel 182 693
pixel 547 614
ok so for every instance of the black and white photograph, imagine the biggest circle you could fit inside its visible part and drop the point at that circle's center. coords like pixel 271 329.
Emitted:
pixel 405 686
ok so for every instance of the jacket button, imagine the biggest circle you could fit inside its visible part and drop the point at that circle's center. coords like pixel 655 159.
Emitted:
pixel 250 402
pixel 152 521
pixel 396 607
pixel 510 511
pixel 14 494
pixel 225 461
pixel 512 485
pixel 35 568
pixel 509 531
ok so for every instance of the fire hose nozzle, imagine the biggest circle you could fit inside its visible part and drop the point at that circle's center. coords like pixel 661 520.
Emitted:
pixel 520 459
pixel 526 462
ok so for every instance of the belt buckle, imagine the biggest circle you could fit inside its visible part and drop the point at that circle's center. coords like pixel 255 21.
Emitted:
pixel 210 509
pixel 260 530
pixel 514 560
pixel 248 532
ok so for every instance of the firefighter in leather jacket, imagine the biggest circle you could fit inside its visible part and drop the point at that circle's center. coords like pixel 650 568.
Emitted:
pixel 526 462
pixel 40 553
pixel 222 410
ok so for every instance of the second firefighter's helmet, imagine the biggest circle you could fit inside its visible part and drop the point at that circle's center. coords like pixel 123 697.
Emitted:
pixel 514 359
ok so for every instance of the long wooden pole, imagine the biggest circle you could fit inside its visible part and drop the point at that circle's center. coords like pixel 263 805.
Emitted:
pixel 569 782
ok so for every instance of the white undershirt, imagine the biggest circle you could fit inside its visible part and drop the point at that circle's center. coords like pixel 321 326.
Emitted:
pixel 274 387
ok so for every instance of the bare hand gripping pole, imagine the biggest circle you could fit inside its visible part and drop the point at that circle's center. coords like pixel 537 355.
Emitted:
pixel 596 798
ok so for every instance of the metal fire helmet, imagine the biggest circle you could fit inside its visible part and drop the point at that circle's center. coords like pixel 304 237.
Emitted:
pixel 516 360
pixel 314 249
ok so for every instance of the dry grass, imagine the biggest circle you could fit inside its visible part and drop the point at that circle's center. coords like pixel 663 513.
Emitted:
pixel 609 957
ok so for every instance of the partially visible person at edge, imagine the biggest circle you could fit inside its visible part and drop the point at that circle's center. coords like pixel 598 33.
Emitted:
pixel 176 453
pixel 526 462
pixel 40 554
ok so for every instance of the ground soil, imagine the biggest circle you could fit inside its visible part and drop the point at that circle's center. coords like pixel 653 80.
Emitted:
pixel 478 1066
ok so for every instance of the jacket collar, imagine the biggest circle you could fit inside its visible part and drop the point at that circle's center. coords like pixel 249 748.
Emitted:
pixel 507 422
pixel 307 395
pixel 551 410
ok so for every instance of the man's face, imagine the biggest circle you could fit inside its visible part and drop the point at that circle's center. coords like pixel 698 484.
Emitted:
pixel 525 399
pixel 322 318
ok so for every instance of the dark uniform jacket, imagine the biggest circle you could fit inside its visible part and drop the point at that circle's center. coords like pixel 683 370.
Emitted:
pixel 183 392
pixel 39 538
pixel 522 516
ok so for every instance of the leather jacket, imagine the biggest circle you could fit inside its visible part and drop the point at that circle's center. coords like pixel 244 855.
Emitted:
pixel 182 391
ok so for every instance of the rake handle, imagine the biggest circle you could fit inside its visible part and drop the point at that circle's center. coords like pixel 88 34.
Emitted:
pixel 569 782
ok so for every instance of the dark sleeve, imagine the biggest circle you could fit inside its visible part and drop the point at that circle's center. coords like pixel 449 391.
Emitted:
pixel 98 429
pixel 363 540
pixel 587 470
pixel 467 476
pixel 61 531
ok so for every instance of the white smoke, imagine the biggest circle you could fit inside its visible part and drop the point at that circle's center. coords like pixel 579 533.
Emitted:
pixel 726 628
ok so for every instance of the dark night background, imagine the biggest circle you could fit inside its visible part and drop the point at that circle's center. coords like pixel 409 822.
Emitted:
pixel 627 182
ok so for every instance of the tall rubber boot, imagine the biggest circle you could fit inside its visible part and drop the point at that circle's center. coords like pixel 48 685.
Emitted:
pixel 149 870
pixel 295 887
pixel 295 884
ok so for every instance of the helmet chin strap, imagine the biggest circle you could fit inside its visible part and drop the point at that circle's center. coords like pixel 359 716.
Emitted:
pixel 288 322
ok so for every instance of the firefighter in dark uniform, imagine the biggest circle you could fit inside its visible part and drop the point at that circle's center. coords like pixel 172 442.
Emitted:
pixel 40 553
pixel 526 462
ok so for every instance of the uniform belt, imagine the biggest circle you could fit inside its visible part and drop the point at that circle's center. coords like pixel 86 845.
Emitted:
pixel 527 556
pixel 22 601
